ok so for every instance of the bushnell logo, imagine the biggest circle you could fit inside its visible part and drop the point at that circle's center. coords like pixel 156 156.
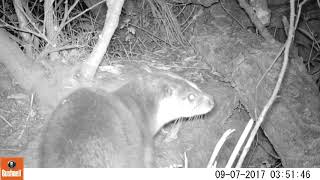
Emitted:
pixel 11 168
pixel 12 164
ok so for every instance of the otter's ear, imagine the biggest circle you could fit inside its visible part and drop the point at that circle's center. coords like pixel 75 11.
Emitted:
pixel 167 89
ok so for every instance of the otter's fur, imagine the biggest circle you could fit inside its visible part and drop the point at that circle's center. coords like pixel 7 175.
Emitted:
pixel 93 128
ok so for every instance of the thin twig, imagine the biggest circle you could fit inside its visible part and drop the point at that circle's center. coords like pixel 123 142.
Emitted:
pixel 218 147
pixel 75 17
pixel 165 66
pixel 192 20
pixel 25 30
pixel 57 49
pixel 14 150
pixel 4 119
pixel 276 89
pixel 240 143
pixel 66 14
pixel 263 76
pixel 30 20
pixel 299 13
pixel 186 164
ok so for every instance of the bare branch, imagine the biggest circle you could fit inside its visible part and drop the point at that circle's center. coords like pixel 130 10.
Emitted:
pixel 73 18
pixel 277 87
pixel 25 30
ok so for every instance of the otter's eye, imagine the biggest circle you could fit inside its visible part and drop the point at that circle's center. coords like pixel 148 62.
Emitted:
pixel 191 97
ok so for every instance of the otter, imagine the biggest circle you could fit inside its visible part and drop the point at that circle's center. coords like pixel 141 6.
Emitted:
pixel 95 128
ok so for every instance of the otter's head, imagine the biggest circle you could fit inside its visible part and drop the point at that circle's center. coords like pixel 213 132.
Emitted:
pixel 177 98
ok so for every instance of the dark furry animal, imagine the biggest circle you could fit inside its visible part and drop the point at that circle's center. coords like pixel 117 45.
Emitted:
pixel 93 128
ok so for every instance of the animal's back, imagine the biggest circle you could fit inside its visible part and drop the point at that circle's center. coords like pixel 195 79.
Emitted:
pixel 93 129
